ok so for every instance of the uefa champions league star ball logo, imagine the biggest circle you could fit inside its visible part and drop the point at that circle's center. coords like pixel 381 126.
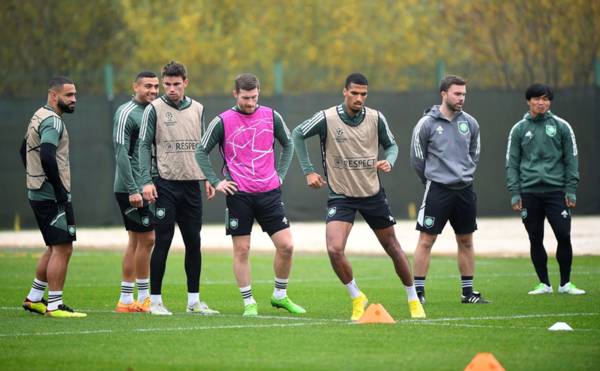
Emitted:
pixel 463 127
pixel 429 221
pixel 170 118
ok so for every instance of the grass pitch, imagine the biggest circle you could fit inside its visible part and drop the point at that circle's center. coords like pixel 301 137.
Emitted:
pixel 513 328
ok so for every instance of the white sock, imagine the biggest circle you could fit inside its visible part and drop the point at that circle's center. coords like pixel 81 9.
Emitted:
pixel 280 290
pixel 142 284
pixel 54 299
pixel 37 290
pixel 411 293
pixel 247 295
pixel 156 299
pixel 193 298
pixel 353 289
pixel 126 292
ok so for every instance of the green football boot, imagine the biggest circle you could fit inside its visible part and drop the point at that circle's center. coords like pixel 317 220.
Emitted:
pixel 287 304
pixel 38 307
pixel 250 310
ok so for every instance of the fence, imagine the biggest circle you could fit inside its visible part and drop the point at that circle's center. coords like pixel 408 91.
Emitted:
pixel 92 163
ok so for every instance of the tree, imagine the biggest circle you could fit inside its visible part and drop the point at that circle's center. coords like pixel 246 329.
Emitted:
pixel 45 38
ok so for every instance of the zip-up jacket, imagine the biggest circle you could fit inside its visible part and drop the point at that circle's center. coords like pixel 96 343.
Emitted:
pixel 541 156
pixel 443 151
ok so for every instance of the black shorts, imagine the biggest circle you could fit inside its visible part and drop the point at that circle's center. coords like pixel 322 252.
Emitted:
pixel 266 208
pixel 134 219
pixel 57 224
pixel 548 205
pixel 441 204
pixel 178 201
pixel 374 209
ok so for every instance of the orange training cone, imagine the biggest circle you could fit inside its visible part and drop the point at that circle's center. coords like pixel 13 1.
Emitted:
pixel 484 362
pixel 376 313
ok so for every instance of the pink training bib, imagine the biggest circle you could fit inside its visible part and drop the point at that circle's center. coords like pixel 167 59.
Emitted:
pixel 248 149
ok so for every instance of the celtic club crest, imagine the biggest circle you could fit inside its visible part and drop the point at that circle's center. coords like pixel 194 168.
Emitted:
pixel 463 127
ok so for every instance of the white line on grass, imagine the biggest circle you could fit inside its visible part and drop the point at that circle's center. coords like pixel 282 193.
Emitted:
pixel 192 328
pixel 516 316
pixel 318 321
pixel 498 327
pixel 191 315
pixel 411 321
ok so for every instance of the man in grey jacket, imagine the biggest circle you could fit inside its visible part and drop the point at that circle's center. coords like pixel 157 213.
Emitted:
pixel 444 152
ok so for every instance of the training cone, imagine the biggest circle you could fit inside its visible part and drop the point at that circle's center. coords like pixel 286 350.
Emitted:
pixel 560 326
pixel 484 362
pixel 376 313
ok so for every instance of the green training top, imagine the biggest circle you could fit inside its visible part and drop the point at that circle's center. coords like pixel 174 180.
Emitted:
pixel 215 134
pixel 146 137
pixel 318 125
pixel 50 131
pixel 541 156
pixel 126 128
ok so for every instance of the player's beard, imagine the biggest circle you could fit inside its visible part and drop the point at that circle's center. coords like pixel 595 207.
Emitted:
pixel 454 107
pixel 65 108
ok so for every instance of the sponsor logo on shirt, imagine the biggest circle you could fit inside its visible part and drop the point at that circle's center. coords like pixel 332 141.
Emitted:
pixel 353 163
pixel 181 146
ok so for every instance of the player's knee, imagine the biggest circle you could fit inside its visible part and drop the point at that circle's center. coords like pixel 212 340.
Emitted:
pixel 63 250
pixel 391 246
pixel 425 245
pixel 465 243
pixel 242 251
pixel 335 251
pixel 147 242
pixel 563 237
pixel 286 249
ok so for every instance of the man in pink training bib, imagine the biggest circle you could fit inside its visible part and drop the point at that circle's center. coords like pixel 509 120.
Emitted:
pixel 246 134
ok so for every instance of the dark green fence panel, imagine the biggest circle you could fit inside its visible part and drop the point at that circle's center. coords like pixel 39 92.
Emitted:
pixel 90 128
